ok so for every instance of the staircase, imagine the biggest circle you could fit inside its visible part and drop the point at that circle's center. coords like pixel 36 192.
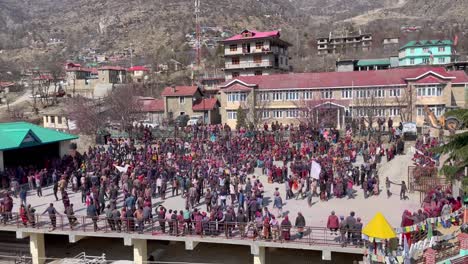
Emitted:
pixel 11 246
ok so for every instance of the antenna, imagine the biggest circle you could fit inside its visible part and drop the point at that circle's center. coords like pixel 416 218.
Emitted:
pixel 197 32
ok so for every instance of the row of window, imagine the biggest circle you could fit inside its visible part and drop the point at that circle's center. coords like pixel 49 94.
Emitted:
pixel 429 90
pixel 438 110
pixel 377 112
pixel 258 46
pixel 236 97
pixel 427 60
pixel 426 50
pixel 51 119
pixel 327 94
pixel 266 114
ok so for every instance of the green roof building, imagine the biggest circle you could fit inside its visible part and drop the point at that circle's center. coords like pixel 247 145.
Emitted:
pixel 23 143
pixel 422 52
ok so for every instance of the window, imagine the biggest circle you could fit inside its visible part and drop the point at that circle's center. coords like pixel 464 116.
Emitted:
pixel 257 58
pixel 281 60
pixel 292 113
pixel 257 73
pixel 379 93
pixel 233 47
pixel 411 61
pixel 379 112
pixel 235 74
pixel 264 96
pixel 347 93
pixel 395 92
pixel 425 50
pixel 293 96
pixel 425 60
pixel 181 100
pixel 441 49
pixel 412 50
pixel 236 97
pixel 59 119
pixel 286 61
pixel 430 90
pixel 277 96
pixel 394 111
pixel 265 114
pixel 277 113
pixel 181 113
pixel 363 93
pixel 307 95
pixel 438 110
pixel 232 115
pixel 52 119
pixel 420 111
pixel 327 94
pixel 259 45
pixel 441 60
pixel 235 60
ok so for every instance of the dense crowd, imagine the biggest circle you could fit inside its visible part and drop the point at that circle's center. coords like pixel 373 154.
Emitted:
pixel 214 172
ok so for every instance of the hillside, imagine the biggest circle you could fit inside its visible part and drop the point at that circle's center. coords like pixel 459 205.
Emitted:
pixel 156 29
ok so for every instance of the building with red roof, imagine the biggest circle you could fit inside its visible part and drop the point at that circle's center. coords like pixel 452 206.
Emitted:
pixel 190 100
pixel 138 73
pixel 153 108
pixel 399 93
pixel 255 53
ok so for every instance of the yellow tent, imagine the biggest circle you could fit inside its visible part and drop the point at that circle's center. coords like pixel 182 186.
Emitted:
pixel 379 228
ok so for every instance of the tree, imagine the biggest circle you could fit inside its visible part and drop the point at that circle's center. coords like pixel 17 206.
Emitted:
pixel 405 101
pixel 369 106
pixel 241 118
pixel 457 150
pixel 87 114
pixel 314 113
pixel 123 105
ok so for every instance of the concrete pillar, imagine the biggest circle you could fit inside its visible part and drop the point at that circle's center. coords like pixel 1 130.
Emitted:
pixel 258 254
pixel 140 253
pixel 2 168
pixel 37 247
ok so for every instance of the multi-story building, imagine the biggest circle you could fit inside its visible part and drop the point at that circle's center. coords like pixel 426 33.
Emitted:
pixel 189 100
pixel 343 44
pixel 399 93
pixel 138 74
pixel 255 53
pixel 423 52
pixel 94 83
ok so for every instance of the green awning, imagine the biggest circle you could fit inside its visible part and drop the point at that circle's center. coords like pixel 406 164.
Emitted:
pixel 22 134
pixel 373 62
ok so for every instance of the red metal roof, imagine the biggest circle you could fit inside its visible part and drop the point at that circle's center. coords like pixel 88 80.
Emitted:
pixel 138 68
pixel 112 68
pixel 398 76
pixel 429 79
pixel 237 87
pixel 205 104
pixel 255 35
pixel 180 91
pixel 151 105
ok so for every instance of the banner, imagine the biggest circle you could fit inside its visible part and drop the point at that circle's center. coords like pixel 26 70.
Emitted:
pixel 315 170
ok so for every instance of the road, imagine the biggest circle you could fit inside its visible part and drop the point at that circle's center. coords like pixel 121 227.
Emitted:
pixel 21 99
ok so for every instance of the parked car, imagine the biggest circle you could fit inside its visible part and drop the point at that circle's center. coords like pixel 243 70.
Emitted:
pixel 146 123
pixel 181 121
pixel 195 120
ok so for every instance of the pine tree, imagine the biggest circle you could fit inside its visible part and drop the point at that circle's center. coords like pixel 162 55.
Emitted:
pixel 241 118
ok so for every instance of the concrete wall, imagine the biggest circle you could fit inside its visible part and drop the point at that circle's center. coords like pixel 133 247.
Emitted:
pixel 64 148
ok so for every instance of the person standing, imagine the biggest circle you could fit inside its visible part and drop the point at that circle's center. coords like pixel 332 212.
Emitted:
pixel 92 213
pixel 278 204
pixel 55 188
pixel 52 215
pixel 23 194
pixel 333 223
pixel 300 224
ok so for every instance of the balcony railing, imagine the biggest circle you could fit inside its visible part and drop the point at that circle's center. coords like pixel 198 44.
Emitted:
pixel 248 65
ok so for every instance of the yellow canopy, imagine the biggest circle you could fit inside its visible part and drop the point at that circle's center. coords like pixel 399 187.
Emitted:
pixel 379 228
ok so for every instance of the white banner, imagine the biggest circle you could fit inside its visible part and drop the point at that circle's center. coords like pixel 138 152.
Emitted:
pixel 315 170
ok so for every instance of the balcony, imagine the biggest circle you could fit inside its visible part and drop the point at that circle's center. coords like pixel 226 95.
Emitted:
pixel 253 50
pixel 246 65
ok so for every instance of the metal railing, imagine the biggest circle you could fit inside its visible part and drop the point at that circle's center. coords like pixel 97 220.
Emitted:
pixel 307 235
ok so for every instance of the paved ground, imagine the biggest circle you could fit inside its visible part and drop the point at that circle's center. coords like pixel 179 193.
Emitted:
pixel 316 215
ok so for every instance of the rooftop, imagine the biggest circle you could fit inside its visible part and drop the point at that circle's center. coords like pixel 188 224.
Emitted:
pixel 22 134
pixel 180 91
pixel 138 68
pixel 252 35
pixel 398 76
pixel 205 104
pixel 112 68
pixel 149 104
pixel 372 62
pixel 425 43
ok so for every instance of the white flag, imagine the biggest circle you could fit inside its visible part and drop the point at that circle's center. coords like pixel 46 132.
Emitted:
pixel 315 170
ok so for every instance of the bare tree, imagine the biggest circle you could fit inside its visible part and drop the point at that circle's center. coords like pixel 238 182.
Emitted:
pixel 404 100
pixel 314 112
pixel 368 104
pixel 87 114
pixel 123 105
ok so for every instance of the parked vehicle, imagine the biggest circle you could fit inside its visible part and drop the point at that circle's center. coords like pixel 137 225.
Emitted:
pixel 146 123
pixel 181 121
pixel 195 120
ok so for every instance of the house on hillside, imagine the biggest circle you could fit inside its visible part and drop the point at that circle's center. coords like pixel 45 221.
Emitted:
pixel 138 74
pixel 152 108
pixel 425 52
pixel 255 53
pixel 344 43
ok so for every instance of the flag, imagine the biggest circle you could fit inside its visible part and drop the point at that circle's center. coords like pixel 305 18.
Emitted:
pixel 315 170
pixel 455 40
pixel 122 169
pixel 429 231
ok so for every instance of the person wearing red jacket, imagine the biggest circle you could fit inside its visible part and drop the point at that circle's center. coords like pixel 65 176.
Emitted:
pixel 333 223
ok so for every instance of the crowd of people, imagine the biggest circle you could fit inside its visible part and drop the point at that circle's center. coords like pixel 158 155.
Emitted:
pixel 214 171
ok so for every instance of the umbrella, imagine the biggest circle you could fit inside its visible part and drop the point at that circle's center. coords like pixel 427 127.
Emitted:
pixel 379 228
